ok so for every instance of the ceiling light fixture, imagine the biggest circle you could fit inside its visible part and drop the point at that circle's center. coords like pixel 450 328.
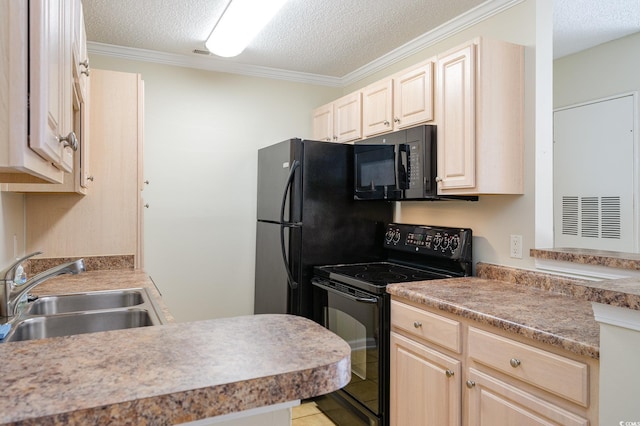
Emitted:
pixel 240 22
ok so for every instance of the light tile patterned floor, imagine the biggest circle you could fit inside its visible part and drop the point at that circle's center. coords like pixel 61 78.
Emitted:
pixel 308 414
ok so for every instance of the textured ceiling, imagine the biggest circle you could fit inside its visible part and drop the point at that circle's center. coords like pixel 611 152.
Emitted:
pixel 331 37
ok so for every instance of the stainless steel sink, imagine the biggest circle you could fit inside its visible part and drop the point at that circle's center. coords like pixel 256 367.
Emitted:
pixel 41 327
pixel 89 312
pixel 49 305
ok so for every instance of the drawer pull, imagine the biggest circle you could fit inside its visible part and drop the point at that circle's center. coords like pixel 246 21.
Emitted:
pixel 471 384
pixel 515 362
pixel 417 324
pixel 449 373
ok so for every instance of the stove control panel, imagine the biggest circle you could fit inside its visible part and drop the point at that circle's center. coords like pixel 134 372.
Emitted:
pixel 434 241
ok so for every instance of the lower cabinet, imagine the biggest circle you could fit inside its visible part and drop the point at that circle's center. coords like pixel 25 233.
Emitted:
pixel 494 402
pixel 417 372
pixel 447 371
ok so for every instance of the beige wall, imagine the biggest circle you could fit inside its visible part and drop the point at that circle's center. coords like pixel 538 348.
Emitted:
pixel 11 224
pixel 580 77
pixel 202 133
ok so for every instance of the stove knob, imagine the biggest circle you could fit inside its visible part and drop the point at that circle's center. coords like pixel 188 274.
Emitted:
pixel 455 242
pixel 396 237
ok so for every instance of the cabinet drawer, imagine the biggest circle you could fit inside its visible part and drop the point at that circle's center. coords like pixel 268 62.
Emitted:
pixel 556 374
pixel 425 325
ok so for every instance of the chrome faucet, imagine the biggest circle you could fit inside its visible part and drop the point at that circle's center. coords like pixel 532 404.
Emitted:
pixel 13 287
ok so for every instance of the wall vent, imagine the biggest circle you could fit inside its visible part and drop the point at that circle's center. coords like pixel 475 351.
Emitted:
pixel 591 217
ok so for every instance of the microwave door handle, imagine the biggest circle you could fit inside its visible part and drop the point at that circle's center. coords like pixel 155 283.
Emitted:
pixel 294 166
pixel 402 167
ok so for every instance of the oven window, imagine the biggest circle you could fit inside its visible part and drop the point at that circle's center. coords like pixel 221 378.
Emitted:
pixel 358 324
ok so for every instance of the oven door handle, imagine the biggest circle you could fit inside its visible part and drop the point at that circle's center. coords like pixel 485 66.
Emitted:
pixel 372 299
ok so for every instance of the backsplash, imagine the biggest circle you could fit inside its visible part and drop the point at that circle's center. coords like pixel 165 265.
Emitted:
pixel 91 263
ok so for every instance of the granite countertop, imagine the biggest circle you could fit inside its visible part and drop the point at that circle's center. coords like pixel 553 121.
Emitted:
pixel 611 259
pixel 166 374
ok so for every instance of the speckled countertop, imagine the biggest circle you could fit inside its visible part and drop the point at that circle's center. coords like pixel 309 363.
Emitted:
pixel 611 259
pixel 166 374
pixel 544 307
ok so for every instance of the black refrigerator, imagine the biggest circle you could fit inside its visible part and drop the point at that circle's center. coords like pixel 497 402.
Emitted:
pixel 306 216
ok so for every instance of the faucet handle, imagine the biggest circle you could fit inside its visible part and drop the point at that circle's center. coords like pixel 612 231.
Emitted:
pixel 10 272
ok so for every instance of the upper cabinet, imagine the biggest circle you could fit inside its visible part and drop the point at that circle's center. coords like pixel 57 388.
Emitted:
pixel 480 101
pixel 36 91
pixel 59 102
pixel 339 121
pixel 404 100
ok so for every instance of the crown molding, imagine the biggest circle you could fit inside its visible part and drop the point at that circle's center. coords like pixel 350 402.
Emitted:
pixel 459 23
pixel 210 64
pixel 456 25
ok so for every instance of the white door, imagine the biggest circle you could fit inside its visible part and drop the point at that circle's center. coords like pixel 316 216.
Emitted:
pixel 595 176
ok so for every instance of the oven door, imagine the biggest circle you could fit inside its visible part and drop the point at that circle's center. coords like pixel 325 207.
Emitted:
pixel 358 317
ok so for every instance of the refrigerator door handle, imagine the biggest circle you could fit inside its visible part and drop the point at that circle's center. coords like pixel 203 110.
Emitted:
pixel 292 283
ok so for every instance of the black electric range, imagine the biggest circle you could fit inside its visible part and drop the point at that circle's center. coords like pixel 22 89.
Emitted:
pixel 351 300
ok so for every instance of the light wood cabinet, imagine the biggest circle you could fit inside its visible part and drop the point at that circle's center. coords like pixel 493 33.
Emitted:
pixel 377 108
pixel 50 29
pixel 404 100
pixel 480 102
pixel 339 121
pixel 78 180
pixel 496 379
pixel 107 221
pixel 35 90
pixel 425 385
pixel 493 402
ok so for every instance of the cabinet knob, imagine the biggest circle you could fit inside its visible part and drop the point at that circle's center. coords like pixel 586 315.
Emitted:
pixel 146 206
pixel 84 63
pixel 85 72
pixel 417 324
pixel 396 120
pixel 69 141
pixel 449 373
pixel 386 122
pixel 335 138
pixel 515 362
pixel 146 182
pixel 471 384
pixel 438 179
pixel 90 178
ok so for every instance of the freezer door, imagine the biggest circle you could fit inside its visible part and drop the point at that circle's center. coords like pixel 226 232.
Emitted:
pixel 272 292
pixel 273 169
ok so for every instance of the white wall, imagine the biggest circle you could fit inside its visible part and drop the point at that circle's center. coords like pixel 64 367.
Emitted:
pixel 202 133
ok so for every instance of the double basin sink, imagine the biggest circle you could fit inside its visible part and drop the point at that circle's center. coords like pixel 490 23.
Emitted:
pixel 78 313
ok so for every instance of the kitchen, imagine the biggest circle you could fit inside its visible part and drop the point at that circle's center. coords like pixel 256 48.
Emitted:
pixel 493 219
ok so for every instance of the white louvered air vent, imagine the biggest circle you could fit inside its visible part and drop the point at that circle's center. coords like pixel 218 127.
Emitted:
pixel 591 217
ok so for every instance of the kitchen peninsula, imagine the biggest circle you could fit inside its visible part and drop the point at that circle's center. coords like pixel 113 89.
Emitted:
pixel 168 374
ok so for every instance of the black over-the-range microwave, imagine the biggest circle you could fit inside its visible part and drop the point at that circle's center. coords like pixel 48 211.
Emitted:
pixel 398 166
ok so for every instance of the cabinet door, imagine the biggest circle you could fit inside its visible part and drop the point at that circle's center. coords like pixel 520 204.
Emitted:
pixel 50 94
pixel 347 117
pixel 495 403
pixel 456 130
pixel 377 108
pixel 425 385
pixel 323 123
pixel 413 97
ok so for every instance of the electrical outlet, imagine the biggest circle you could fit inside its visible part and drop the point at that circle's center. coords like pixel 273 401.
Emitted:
pixel 515 250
